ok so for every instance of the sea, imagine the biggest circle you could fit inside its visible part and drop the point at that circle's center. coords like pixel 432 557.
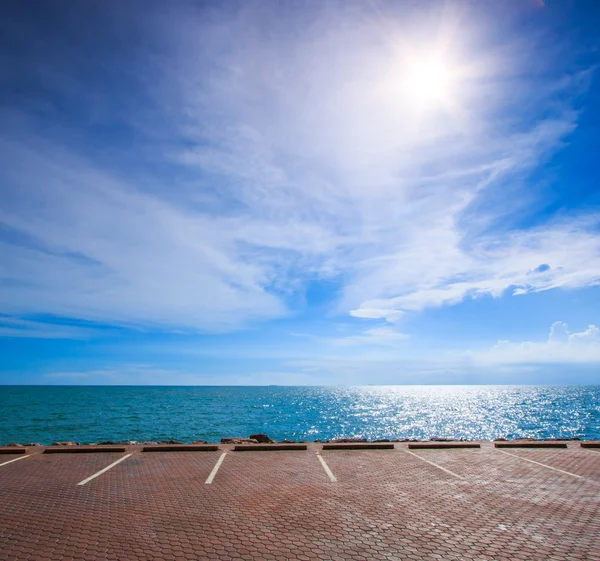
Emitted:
pixel 45 414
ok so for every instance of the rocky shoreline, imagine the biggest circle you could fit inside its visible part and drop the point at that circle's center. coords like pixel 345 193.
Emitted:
pixel 265 439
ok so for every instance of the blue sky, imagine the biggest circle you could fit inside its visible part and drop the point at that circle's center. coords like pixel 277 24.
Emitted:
pixel 299 193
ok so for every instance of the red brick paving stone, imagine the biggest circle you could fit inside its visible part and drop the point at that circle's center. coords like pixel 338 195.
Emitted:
pixel 38 509
pixel 571 502
pixel 489 465
pixel 386 505
pixel 580 461
pixel 8 457
pixel 469 494
pixel 158 497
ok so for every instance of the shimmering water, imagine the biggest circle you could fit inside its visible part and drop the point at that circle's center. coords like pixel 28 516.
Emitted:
pixel 90 414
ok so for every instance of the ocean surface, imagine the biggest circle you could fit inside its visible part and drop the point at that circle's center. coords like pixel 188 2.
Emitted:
pixel 98 413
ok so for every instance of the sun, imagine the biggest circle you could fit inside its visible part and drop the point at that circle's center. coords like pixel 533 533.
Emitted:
pixel 428 80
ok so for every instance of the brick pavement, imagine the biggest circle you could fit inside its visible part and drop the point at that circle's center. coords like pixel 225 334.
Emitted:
pixel 483 505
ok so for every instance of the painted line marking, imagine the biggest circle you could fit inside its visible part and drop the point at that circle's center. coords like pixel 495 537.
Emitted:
pixel 15 460
pixel 433 464
pixel 543 465
pixel 104 470
pixel 326 468
pixel 215 469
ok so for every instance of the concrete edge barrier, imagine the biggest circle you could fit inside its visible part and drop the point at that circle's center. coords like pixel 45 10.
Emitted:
pixel 268 447
pixel 181 448
pixel 358 446
pixel 442 445
pixel 5 450
pixel 527 444
pixel 590 444
pixel 83 449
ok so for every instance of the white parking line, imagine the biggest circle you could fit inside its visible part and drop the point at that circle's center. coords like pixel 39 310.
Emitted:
pixel 326 468
pixel 15 460
pixel 215 469
pixel 434 464
pixel 104 470
pixel 543 465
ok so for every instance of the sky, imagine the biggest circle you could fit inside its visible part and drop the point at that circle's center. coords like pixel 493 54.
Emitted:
pixel 300 192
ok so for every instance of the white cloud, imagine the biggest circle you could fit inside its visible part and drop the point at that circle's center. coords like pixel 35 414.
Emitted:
pixel 386 336
pixel 562 347
pixel 590 335
pixel 451 270
pixel 377 313
pixel 283 157
pixel 107 251
pixel 559 332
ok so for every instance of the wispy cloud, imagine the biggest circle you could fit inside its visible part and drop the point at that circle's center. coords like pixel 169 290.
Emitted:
pixel 88 245
pixel 288 155
pixel 379 336
pixel 564 357
pixel 562 254
pixel 18 327
pixel 131 374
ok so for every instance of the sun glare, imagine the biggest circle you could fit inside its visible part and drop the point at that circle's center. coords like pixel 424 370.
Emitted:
pixel 428 80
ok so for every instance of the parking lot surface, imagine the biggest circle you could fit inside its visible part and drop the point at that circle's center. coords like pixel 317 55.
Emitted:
pixel 456 504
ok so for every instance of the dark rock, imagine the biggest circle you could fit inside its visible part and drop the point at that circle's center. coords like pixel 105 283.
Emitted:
pixel 501 439
pixel 65 443
pixel 170 442
pixel 238 440
pixel 107 443
pixel 382 440
pixel 289 442
pixel 14 445
pixel 261 438
pixel 33 444
pixel 435 439
pixel 200 442
pixel 348 440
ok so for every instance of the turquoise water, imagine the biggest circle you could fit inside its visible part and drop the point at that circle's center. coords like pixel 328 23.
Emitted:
pixel 96 413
